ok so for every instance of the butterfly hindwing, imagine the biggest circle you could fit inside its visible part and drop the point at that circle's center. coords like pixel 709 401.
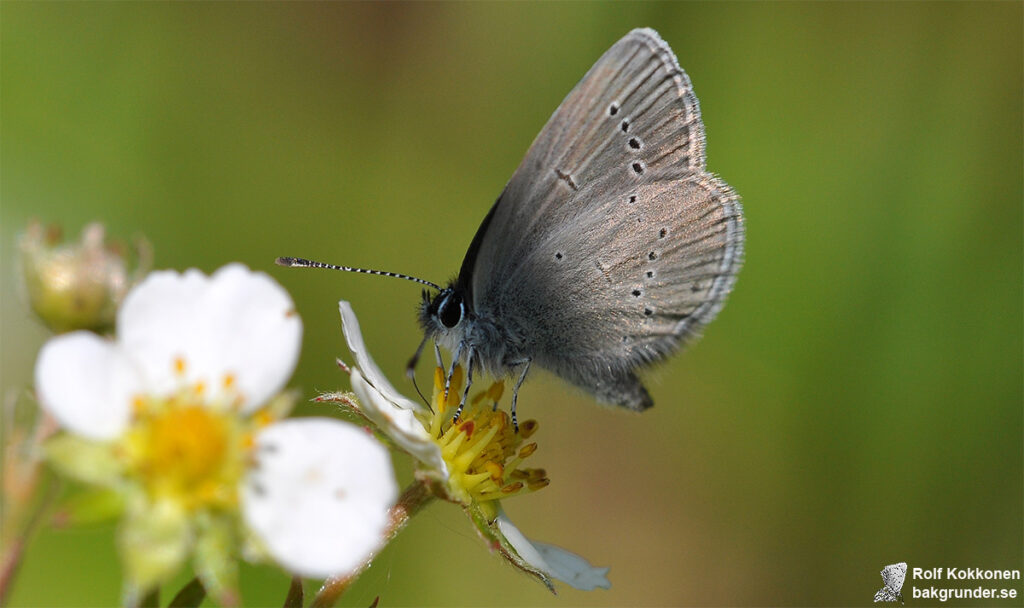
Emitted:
pixel 628 280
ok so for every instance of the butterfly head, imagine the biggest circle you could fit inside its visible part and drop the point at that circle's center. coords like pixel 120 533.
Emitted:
pixel 443 315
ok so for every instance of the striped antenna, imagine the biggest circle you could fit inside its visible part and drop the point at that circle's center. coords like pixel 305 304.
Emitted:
pixel 304 263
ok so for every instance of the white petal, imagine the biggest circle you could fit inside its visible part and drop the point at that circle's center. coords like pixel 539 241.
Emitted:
pixel 318 495
pixel 372 373
pixel 553 561
pixel 87 384
pixel 400 425
pixel 236 323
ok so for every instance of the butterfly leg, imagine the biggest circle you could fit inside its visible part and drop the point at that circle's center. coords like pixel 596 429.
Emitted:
pixel 410 372
pixel 451 369
pixel 515 392
pixel 469 382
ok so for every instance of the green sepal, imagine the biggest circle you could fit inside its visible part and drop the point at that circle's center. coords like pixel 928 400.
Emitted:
pixel 154 540
pixel 484 517
pixel 215 563
pixel 90 506
pixel 281 404
pixel 348 404
pixel 92 462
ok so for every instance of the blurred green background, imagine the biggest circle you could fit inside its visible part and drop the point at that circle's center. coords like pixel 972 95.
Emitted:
pixel 858 402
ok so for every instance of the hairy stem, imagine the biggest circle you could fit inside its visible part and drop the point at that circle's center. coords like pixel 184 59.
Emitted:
pixel 409 503
pixel 22 508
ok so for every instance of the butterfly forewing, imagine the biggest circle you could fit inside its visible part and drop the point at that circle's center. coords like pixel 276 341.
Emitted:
pixel 634 107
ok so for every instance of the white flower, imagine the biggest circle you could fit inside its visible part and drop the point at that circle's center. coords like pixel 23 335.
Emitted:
pixel 401 419
pixel 168 415
pixel 318 514
pixel 235 336
pixel 474 460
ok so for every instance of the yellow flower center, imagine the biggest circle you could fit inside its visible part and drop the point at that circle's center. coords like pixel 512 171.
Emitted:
pixel 184 449
pixel 481 448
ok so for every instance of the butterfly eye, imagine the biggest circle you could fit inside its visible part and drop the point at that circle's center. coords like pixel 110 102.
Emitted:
pixel 450 310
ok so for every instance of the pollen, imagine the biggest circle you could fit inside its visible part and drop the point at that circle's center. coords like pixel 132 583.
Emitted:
pixel 263 418
pixel 181 449
pixel 481 448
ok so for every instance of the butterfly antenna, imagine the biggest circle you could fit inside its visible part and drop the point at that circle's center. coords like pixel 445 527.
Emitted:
pixel 304 263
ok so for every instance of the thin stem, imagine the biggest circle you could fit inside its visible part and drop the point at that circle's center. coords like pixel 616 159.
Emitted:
pixel 409 503
pixel 24 464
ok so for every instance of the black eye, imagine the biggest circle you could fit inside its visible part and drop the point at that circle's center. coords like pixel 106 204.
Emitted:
pixel 450 310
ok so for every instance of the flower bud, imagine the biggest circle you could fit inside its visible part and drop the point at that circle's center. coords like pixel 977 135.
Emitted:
pixel 78 285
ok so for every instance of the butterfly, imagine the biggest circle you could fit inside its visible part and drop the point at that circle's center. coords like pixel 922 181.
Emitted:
pixel 893 576
pixel 609 247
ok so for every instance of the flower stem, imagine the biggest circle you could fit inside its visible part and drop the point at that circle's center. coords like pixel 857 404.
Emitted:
pixel 23 506
pixel 413 498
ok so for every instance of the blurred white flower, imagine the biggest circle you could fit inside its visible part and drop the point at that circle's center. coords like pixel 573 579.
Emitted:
pixel 474 461
pixel 177 416
pixel 319 495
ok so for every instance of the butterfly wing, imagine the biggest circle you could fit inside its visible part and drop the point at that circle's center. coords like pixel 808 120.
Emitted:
pixel 637 91
pixel 626 281
pixel 885 594
pixel 893 576
pixel 611 243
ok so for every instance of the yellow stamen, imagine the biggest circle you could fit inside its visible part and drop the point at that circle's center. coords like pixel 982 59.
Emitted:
pixel 540 483
pixel 482 448
pixel 182 449
pixel 463 461
pixel 496 471
pixel 263 418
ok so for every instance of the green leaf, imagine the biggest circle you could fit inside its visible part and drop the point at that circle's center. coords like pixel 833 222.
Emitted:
pixel 294 597
pixel 190 596
pixel 151 599
pixel 88 461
